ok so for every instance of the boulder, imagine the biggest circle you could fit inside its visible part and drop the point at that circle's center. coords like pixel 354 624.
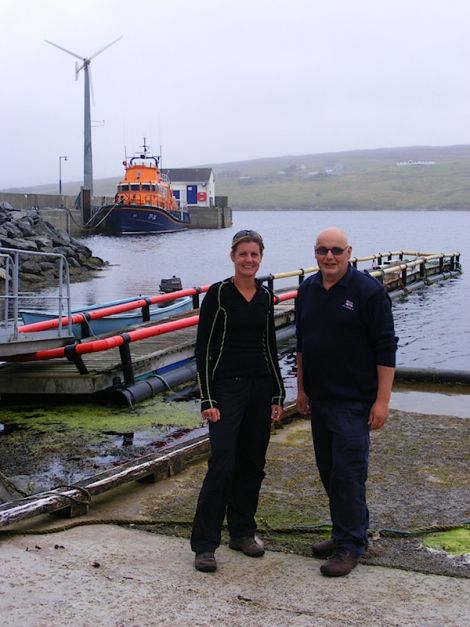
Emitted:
pixel 27 231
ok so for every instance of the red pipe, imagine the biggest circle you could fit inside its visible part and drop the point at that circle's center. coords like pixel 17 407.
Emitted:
pixel 115 341
pixel 279 298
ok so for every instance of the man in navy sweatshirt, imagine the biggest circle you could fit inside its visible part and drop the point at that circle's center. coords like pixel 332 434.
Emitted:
pixel 346 349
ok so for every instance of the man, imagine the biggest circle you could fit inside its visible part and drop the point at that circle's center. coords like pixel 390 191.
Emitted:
pixel 346 348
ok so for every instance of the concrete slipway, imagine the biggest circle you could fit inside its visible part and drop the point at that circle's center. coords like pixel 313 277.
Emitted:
pixel 122 576
pixel 106 575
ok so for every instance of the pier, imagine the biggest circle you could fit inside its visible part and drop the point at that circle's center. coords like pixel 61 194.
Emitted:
pixel 136 364
pixel 113 368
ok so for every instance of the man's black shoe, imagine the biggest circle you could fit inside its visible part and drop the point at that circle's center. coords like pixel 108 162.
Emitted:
pixel 205 562
pixel 340 564
pixel 324 549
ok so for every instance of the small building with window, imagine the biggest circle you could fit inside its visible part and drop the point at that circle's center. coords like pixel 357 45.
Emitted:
pixel 192 186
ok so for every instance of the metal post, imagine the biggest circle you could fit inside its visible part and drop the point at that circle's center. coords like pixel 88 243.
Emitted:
pixel 60 172
pixel 126 361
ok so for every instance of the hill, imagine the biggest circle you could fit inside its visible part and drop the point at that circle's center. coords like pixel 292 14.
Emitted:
pixel 417 177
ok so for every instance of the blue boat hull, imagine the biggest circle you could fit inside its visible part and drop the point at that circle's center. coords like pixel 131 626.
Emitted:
pixel 116 322
pixel 139 219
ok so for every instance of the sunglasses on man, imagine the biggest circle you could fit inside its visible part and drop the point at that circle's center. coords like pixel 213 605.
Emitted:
pixel 321 251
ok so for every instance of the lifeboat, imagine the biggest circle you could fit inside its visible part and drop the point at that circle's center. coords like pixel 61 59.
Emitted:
pixel 144 201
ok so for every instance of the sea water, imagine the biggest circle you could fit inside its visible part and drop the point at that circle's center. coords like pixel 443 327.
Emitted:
pixel 432 324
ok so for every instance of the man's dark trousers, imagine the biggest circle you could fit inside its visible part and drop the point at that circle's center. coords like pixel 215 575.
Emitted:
pixel 341 441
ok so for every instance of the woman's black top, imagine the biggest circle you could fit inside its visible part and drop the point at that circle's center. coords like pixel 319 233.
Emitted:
pixel 236 338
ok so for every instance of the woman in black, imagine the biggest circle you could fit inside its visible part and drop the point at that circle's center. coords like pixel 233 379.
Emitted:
pixel 241 393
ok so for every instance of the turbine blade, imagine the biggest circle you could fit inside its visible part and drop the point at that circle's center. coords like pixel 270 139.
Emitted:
pixel 79 67
pixel 105 48
pixel 64 50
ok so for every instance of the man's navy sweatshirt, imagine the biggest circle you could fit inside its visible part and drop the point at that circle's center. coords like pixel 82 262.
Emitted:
pixel 344 333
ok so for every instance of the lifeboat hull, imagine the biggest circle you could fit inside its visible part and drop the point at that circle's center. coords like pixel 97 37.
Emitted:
pixel 141 219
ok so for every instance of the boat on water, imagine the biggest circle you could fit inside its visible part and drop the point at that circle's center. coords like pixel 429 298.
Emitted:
pixel 144 201
pixel 113 322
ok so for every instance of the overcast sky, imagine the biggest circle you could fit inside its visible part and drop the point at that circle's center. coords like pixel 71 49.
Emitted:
pixel 215 81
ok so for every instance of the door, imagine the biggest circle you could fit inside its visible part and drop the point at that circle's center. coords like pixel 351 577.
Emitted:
pixel 191 194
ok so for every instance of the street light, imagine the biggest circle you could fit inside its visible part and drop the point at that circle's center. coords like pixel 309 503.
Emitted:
pixel 60 172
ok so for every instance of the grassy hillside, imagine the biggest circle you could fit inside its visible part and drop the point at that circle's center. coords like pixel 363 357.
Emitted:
pixel 362 179
pixel 352 180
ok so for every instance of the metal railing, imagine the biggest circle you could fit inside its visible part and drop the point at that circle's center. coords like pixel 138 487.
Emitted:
pixel 10 264
pixel 378 260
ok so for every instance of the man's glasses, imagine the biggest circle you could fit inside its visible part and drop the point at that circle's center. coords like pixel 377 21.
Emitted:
pixel 246 233
pixel 335 250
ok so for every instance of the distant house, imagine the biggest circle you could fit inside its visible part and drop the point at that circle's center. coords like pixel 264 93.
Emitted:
pixel 192 186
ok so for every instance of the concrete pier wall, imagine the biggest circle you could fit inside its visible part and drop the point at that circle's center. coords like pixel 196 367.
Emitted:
pixel 210 217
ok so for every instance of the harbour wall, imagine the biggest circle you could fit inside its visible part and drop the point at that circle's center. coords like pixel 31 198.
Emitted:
pixel 62 213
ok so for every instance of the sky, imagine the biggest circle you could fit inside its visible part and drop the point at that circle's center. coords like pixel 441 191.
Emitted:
pixel 217 81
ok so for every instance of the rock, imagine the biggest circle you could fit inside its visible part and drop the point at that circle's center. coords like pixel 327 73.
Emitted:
pixel 27 231
pixel 19 244
pixel 30 278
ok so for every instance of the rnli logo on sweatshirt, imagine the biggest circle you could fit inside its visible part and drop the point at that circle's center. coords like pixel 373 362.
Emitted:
pixel 348 304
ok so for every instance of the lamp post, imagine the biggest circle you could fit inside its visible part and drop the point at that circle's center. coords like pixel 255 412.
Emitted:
pixel 60 172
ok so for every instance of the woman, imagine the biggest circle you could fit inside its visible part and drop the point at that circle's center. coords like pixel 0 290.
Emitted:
pixel 242 392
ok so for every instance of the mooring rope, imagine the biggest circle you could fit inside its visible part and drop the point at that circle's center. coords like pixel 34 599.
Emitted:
pixel 266 528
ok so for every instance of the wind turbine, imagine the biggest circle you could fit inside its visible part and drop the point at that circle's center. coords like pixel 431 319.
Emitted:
pixel 87 151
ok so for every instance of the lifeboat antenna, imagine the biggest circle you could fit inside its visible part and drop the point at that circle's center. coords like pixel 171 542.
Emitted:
pixel 145 148
pixel 85 66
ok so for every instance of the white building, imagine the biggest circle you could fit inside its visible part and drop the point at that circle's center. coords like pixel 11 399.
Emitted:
pixel 192 186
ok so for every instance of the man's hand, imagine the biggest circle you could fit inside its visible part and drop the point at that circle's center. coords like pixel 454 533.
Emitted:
pixel 378 415
pixel 302 403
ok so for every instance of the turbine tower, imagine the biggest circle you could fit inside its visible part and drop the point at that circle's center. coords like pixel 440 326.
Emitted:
pixel 87 151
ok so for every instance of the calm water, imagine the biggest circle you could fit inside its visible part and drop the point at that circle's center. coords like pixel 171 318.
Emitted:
pixel 432 324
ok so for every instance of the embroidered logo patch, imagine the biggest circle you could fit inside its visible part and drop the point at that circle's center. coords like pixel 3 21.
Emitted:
pixel 348 304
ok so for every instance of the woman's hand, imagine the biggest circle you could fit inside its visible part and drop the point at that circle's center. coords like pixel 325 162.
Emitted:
pixel 211 415
pixel 276 413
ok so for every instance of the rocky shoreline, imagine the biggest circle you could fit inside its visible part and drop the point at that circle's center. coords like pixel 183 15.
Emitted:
pixel 25 230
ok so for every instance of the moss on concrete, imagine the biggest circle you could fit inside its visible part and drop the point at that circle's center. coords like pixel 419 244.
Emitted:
pixel 93 418
pixel 52 445
pixel 454 542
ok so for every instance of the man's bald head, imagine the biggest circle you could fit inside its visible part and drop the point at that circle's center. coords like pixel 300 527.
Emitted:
pixel 333 233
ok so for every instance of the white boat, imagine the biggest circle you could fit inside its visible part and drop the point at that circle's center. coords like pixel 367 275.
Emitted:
pixel 113 321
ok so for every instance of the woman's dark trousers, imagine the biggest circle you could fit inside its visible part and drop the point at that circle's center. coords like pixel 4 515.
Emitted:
pixel 239 441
